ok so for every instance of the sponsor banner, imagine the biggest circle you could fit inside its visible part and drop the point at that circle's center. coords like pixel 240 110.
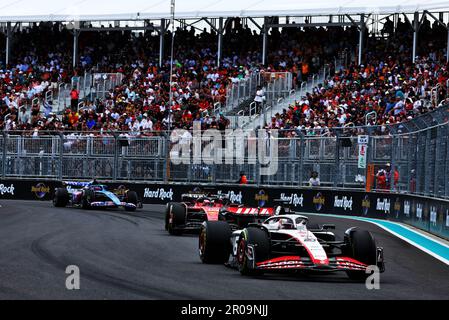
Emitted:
pixel 27 189
pixel 364 139
pixel 426 213
pixel 362 156
pixel 40 190
pixel 7 189
pixel 295 200
pixel 158 193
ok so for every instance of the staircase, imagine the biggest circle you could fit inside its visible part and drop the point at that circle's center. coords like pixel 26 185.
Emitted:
pixel 255 121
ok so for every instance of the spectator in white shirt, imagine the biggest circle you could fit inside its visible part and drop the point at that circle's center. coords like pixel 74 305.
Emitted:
pixel 314 180
pixel 259 99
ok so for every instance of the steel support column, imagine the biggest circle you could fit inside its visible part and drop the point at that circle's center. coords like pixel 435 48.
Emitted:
pixel 220 41
pixel 447 49
pixel 76 34
pixel 361 34
pixel 446 173
pixel 8 43
pixel 415 35
pixel 161 42
pixel 438 160
pixel 61 156
pixel 337 164
pixel 427 159
pixel 5 136
pixel 264 41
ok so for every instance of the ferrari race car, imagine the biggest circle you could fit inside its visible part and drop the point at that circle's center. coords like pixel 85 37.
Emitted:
pixel 288 242
pixel 196 208
pixel 87 195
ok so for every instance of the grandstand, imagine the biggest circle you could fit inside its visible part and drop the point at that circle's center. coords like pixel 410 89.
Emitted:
pixel 375 67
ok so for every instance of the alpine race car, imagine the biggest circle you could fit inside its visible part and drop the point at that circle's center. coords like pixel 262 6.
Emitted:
pixel 288 242
pixel 87 195
pixel 198 207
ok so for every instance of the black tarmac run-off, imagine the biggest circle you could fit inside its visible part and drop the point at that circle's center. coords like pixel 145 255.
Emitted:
pixel 125 255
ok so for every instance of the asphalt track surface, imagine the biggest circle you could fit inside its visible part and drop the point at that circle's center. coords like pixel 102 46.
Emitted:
pixel 125 255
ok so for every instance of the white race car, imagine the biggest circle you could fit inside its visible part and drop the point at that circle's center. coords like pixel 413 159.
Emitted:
pixel 289 242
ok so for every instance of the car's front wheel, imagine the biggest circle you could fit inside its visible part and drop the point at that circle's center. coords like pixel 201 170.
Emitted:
pixel 254 241
pixel 361 247
pixel 61 198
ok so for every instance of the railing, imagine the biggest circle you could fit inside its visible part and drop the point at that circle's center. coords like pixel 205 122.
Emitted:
pixel 217 107
pixel 372 114
pixel 101 83
pixel 246 116
pixel 49 96
pixel 242 90
pixel 275 85
pixel 314 80
pixel 302 88
pixel 434 94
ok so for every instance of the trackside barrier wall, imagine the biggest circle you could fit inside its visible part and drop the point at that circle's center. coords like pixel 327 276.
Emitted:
pixel 431 215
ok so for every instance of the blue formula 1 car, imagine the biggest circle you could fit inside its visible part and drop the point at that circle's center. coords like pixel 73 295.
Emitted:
pixel 87 195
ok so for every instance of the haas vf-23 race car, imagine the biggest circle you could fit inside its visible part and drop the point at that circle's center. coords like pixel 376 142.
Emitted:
pixel 196 208
pixel 87 195
pixel 287 242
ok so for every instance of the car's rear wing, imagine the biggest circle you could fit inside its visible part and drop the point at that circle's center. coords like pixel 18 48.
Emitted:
pixel 286 207
pixel 189 197
pixel 248 211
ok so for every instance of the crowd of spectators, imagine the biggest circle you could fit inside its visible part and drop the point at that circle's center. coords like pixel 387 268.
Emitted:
pixel 388 83
pixel 393 92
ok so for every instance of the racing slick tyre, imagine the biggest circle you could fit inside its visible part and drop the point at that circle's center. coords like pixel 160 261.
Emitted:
pixel 167 214
pixel 87 199
pixel 259 240
pixel 61 197
pixel 362 247
pixel 214 242
pixel 176 218
pixel 131 197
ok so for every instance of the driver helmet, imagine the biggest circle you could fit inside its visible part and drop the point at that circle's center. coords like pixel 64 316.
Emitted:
pixel 285 224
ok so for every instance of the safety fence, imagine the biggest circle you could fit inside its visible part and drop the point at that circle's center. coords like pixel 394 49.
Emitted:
pixel 410 157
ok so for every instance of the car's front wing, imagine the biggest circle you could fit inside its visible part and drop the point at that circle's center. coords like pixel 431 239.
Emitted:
pixel 111 204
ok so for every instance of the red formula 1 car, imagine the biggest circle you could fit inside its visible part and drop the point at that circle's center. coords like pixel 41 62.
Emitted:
pixel 195 208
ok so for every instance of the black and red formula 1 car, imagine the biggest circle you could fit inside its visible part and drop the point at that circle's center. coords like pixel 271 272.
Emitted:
pixel 287 242
pixel 195 208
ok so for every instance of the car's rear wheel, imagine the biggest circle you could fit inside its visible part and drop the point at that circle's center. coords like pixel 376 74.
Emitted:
pixel 87 199
pixel 61 197
pixel 131 197
pixel 214 242
pixel 176 218
pixel 362 247
pixel 259 242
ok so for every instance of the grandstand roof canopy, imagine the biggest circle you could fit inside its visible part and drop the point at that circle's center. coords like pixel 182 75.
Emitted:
pixel 88 10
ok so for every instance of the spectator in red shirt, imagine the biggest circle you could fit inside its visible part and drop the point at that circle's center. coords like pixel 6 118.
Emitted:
pixel 74 98
pixel 381 180
pixel 243 180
